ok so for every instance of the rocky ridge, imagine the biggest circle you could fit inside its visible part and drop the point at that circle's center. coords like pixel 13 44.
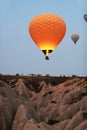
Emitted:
pixel 59 107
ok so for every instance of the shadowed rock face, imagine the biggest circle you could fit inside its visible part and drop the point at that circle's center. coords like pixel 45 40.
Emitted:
pixel 60 107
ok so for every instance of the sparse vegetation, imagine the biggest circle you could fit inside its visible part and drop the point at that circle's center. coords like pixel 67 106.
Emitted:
pixel 34 80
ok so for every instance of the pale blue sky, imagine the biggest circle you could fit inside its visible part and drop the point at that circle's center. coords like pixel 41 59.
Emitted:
pixel 19 54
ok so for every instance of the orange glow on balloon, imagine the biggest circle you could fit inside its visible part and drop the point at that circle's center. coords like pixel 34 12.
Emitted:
pixel 47 31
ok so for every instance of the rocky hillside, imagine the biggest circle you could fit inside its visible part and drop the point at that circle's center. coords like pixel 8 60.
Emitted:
pixel 46 106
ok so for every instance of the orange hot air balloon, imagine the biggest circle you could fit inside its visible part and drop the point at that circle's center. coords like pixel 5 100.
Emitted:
pixel 47 31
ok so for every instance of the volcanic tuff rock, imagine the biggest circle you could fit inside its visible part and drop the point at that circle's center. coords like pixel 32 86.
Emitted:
pixel 60 107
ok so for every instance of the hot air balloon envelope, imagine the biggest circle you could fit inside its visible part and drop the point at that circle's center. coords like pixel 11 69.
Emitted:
pixel 85 17
pixel 75 37
pixel 47 31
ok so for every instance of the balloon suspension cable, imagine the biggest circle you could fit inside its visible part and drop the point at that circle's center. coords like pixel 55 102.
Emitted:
pixel 47 53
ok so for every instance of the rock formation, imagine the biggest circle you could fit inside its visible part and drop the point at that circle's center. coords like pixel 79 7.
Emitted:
pixel 59 107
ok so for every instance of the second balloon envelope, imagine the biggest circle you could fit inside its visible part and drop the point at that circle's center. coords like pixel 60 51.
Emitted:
pixel 75 37
pixel 85 17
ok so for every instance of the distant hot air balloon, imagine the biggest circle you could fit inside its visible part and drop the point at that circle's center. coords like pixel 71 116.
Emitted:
pixel 85 17
pixel 47 31
pixel 75 37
